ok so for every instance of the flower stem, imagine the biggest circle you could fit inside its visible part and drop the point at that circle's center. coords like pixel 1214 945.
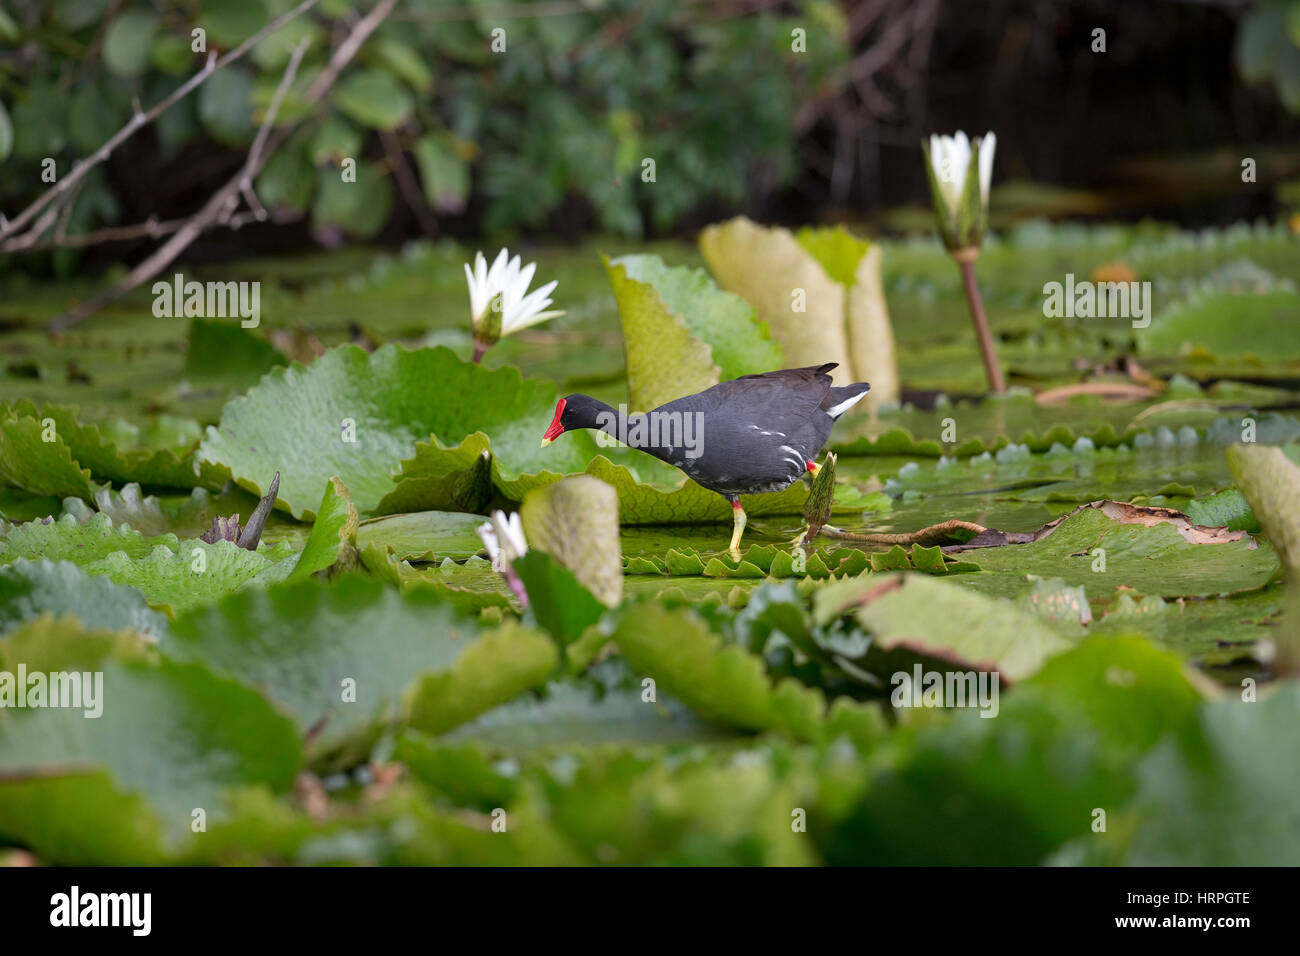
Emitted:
pixel 966 261
pixel 516 585
pixel 479 349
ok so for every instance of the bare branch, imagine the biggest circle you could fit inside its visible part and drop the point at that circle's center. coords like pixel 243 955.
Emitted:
pixel 407 183
pixel 218 210
pixel 9 229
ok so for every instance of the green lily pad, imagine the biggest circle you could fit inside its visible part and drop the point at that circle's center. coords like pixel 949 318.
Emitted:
pixel 196 573
pixel 1224 509
pixel 225 355
pixel 171 739
pixel 67 539
pixel 916 616
pixel 342 658
pixel 297 420
pixel 1222 793
pixel 160 454
pixel 727 683
pixel 1154 560
pixel 424 535
pixel 681 333
pixel 29 589
pixel 1224 326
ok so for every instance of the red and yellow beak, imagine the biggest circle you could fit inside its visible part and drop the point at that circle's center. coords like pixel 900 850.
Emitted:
pixel 556 429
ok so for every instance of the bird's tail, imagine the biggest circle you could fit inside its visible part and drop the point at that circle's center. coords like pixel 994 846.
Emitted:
pixel 840 400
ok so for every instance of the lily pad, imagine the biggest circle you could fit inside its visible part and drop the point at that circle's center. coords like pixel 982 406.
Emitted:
pixel 681 333
pixel 727 683
pixel 1155 559
pixel 914 615
pixel 171 739
pixel 343 658
pixel 29 589
pixel 299 420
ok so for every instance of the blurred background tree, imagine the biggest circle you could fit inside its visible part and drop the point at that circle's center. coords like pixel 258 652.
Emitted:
pixel 795 111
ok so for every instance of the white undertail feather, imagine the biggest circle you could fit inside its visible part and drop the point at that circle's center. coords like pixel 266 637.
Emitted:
pixel 835 411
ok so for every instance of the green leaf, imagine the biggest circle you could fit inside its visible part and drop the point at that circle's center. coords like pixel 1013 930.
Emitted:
pixel 469 587
pixel 358 208
pixel 915 615
pixel 1270 483
pixel 443 174
pixel 681 332
pixel 836 249
pixel 226 106
pixel 75 14
pixel 273 53
pixel 573 713
pixel 172 55
pixel 29 589
pixel 1263 326
pixel 161 453
pixel 343 658
pixel 292 422
pixel 1224 793
pixel 1127 688
pixel 727 683
pixel 288 180
pixel 375 99
pixel 1224 509
pixel 334 141
pixel 196 572
pixel 66 539
pixel 128 40
pixel 29 462
pixel 424 535
pixel 171 734
pixel 655 495
pixel 406 62
pixel 1155 560
pixel 6 134
pixel 575 521
pixel 231 22
pixel 224 354
pixel 969 791
pixel 498 666
pixel 556 599
pixel 332 545
pixel 9 33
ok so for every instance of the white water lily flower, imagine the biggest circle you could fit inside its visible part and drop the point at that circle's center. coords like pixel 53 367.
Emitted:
pixel 961 200
pixel 499 300
pixel 504 539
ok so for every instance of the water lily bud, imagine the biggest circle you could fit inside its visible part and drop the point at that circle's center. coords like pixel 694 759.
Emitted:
pixel 960 173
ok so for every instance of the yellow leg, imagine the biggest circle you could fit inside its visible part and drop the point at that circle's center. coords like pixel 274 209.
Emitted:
pixel 813 468
pixel 738 514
